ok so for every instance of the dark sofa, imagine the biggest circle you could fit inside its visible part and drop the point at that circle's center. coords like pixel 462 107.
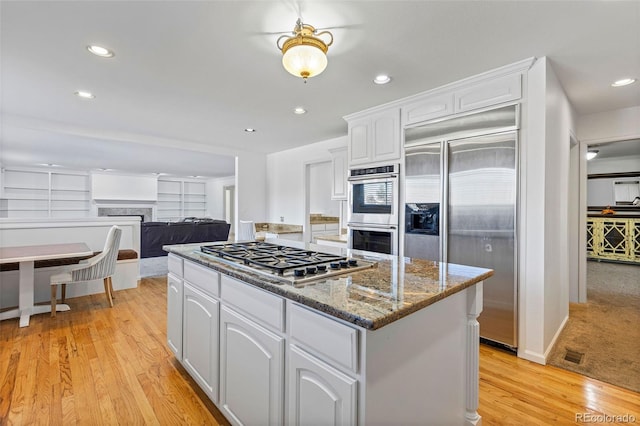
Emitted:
pixel 154 235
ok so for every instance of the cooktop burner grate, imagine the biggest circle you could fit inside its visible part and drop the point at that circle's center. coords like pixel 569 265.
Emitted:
pixel 271 256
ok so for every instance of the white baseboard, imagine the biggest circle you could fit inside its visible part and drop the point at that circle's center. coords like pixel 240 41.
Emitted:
pixel 555 337
pixel 541 358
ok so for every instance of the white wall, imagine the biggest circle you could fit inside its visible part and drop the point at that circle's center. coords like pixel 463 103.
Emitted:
pixel 601 192
pixel 113 186
pixel 545 168
pixel 614 165
pixel 559 125
pixel 285 177
pixel 608 126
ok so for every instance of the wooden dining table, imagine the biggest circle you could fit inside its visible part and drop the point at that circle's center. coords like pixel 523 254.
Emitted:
pixel 26 256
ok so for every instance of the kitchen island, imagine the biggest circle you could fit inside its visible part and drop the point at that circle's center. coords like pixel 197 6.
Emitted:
pixel 394 343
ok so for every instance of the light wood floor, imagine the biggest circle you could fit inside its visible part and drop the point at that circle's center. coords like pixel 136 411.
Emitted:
pixel 95 365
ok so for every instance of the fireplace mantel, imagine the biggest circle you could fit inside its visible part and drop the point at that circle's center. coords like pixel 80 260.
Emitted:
pixel 146 212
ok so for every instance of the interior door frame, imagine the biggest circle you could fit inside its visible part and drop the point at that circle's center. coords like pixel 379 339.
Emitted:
pixel 232 202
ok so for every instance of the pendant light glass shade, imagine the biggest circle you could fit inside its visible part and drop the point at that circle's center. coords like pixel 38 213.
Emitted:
pixel 304 61
pixel 304 54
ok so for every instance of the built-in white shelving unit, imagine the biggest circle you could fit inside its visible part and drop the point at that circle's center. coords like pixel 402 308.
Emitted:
pixel 180 198
pixel 34 193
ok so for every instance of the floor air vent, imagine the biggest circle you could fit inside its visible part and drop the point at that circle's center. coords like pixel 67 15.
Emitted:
pixel 573 356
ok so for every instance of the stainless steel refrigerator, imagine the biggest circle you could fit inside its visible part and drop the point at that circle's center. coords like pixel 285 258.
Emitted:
pixel 460 198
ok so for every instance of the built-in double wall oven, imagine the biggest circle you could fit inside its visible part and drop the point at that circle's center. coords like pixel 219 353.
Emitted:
pixel 373 209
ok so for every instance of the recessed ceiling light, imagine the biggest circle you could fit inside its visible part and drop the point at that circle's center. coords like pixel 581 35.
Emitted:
pixel 299 110
pixel 249 130
pixel 382 79
pixel 100 51
pixel 623 82
pixel 84 94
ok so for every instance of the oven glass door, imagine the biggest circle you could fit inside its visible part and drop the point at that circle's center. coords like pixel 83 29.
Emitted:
pixel 376 240
pixel 374 201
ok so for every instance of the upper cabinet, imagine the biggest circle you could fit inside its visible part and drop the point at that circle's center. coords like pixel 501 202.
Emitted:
pixel 427 109
pixel 493 92
pixel 467 97
pixel 339 169
pixel 375 135
pixel 374 138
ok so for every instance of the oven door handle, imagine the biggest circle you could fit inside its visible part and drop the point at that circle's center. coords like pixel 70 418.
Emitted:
pixel 370 226
pixel 372 177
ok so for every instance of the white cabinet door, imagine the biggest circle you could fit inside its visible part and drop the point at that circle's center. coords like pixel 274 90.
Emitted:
pixel 200 339
pixel 339 170
pixel 318 393
pixel 251 371
pixel 374 138
pixel 174 315
pixel 386 136
pixel 359 142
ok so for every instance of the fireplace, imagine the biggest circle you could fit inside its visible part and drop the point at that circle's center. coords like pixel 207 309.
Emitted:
pixel 144 213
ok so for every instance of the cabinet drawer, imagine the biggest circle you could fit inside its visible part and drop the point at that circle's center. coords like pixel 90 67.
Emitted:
pixel 330 340
pixel 263 307
pixel 203 278
pixel 175 265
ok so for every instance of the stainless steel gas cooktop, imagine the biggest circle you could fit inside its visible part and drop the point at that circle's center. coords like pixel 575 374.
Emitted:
pixel 293 265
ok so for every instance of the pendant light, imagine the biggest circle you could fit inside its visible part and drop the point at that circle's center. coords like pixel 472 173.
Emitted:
pixel 304 54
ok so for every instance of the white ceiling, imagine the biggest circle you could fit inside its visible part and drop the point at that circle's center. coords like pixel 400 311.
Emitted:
pixel 189 76
pixel 617 149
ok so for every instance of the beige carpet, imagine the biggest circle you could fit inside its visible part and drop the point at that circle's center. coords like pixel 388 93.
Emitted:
pixel 603 335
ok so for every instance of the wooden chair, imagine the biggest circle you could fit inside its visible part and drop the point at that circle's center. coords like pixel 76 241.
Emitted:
pixel 101 266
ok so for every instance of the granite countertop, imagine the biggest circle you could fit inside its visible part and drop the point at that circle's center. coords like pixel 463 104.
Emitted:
pixel 342 238
pixel 315 219
pixel 278 228
pixel 369 298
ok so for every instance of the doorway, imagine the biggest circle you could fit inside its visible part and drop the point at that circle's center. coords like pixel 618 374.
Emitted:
pixel 318 181
pixel 610 183
pixel 601 339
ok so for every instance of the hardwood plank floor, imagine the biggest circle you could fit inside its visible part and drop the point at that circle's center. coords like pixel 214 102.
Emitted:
pixel 96 365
